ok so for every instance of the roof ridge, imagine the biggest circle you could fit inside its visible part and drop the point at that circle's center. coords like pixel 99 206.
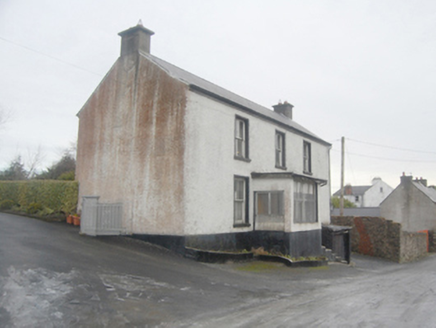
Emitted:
pixel 221 93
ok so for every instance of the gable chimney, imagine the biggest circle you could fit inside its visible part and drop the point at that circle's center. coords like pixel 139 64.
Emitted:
pixel 134 39
pixel 422 181
pixel 284 109
pixel 406 178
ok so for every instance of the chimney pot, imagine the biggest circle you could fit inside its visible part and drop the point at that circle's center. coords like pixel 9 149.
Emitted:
pixel 422 181
pixel 284 109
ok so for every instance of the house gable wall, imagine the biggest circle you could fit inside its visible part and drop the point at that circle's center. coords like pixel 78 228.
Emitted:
pixel 376 194
pixel 131 145
pixel 411 207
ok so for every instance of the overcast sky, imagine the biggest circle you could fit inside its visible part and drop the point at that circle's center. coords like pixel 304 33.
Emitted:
pixel 365 70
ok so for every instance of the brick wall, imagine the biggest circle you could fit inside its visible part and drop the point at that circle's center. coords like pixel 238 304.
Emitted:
pixel 383 238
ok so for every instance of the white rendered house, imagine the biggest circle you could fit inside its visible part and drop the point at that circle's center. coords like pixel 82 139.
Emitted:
pixel 196 165
pixel 366 196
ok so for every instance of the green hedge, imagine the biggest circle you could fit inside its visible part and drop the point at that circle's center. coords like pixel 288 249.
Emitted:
pixel 53 196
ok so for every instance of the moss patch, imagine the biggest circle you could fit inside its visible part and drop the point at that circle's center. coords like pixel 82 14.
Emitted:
pixel 259 266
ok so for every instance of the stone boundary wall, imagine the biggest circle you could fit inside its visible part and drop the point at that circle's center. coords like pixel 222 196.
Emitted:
pixel 432 241
pixel 413 246
pixel 383 238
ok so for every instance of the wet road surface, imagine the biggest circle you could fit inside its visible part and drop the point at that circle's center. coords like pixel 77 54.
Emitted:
pixel 50 276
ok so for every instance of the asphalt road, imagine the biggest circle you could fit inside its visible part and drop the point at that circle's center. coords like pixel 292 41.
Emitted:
pixel 50 276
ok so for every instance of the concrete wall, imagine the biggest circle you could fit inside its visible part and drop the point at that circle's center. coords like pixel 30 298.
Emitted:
pixel 210 166
pixel 411 207
pixel 383 238
pixel 131 145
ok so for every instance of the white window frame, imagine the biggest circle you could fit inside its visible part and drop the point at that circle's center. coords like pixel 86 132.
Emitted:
pixel 280 150
pixel 241 138
pixel 307 157
pixel 240 200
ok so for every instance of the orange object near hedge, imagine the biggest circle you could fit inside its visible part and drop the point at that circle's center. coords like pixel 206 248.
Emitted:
pixel 76 220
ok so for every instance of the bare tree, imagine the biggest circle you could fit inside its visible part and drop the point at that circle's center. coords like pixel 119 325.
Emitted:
pixel 34 160
pixel 5 116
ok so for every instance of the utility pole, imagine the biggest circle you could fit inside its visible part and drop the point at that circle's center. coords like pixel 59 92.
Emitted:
pixel 342 177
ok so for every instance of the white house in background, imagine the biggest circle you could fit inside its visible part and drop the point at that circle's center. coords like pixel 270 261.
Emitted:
pixel 366 196
pixel 196 165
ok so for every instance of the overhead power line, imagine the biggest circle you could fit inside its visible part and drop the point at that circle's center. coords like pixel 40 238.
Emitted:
pixel 392 159
pixel 385 158
pixel 393 147
pixel 50 56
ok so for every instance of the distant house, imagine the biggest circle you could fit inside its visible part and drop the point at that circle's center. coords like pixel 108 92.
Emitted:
pixel 366 196
pixel 412 204
pixel 197 165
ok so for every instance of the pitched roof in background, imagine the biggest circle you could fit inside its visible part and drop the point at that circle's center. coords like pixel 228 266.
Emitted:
pixel 355 191
pixel 429 192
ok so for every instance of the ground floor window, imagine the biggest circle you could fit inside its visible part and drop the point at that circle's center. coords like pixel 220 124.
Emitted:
pixel 305 202
pixel 240 200
pixel 270 203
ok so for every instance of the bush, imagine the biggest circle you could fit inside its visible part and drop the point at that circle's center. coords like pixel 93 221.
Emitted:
pixel 34 208
pixel 7 204
pixel 67 176
pixel 58 196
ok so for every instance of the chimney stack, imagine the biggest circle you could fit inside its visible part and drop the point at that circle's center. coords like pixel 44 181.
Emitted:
pixel 406 178
pixel 135 39
pixel 422 181
pixel 284 109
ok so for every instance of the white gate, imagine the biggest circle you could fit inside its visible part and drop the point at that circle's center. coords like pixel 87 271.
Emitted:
pixel 100 218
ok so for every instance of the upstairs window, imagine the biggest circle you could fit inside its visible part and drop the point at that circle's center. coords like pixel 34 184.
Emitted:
pixel 307 158
pixel 241 138
pixel 280 150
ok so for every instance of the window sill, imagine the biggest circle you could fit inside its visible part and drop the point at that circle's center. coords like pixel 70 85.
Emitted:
pixel 281 167
pixel 244 159
pixel 241 225
pixel 307 173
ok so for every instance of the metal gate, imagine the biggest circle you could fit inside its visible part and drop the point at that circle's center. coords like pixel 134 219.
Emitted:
pixel 101 218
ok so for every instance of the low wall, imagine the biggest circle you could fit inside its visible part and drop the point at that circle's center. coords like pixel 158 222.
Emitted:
pixel 383 238
pixel 413 246
pixel 432 242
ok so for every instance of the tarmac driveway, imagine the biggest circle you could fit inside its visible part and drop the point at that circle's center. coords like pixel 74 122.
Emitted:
pixel 50 276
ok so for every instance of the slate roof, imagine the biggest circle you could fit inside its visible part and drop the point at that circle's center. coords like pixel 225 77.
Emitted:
pixel 355 191
pixel 198 84
pixel 429 192
pixel 357 211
